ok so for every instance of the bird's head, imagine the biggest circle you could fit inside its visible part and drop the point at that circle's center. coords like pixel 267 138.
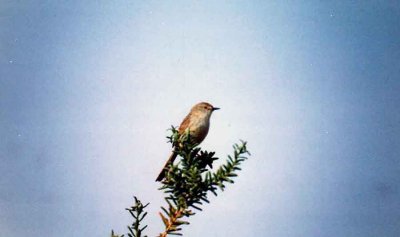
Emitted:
pixel 204 107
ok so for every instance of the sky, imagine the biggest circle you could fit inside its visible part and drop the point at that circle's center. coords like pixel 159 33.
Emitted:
pixel 88 91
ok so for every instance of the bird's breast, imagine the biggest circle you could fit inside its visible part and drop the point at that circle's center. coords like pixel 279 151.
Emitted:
pixel 199 129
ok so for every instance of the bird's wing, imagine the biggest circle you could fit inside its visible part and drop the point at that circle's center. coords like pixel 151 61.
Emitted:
pixel 185 124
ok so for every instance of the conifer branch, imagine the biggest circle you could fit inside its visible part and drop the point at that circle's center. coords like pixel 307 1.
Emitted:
pixel 187 184
pixel 189 181
pixel 138 214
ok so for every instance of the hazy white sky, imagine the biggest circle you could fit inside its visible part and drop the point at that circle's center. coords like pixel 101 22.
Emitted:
pixel 87 91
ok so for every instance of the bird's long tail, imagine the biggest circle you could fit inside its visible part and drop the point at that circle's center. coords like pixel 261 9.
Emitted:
pixel 165 169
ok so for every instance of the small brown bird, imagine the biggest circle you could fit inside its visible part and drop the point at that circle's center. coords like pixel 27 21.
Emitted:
pixel 197 122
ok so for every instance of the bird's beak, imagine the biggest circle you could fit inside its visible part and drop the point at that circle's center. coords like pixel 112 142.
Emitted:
pixel 215 108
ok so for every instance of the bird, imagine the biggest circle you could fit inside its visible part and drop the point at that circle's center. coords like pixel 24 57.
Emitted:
pixel 197 124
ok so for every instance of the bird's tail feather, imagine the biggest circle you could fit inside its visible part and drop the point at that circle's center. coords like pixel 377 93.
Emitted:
pixel 164 170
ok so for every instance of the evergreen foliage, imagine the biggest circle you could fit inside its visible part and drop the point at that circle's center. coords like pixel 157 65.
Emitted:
pixel 138 214
pixel 188 183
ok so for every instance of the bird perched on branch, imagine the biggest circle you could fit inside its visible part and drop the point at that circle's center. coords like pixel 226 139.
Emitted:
pixel 197 124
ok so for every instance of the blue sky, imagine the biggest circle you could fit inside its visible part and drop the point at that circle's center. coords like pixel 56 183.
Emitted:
pixel 87 91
